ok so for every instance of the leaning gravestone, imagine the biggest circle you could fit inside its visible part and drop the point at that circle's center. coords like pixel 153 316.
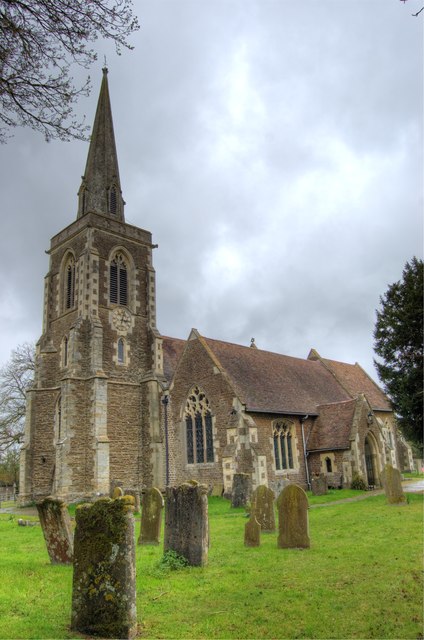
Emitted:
pixel 57 530
pixel 293 526
pixel 319 485
pixel 241 490
pixel 392 483
pixel 263 507
pixel 151 517
pixel 103 588
pixel 186 522
pixel 252 532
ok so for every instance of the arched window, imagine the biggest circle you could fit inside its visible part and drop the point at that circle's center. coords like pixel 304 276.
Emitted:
pixel 118 280
pixel 121 351
pixel 198 423
pixel 283 447
pixel 113 200
pixel 65 351
pixel 69 283
pixel 328 465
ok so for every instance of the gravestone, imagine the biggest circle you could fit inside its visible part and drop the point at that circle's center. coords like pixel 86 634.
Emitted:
pixel 252 532
pixel 136 495
pixel 151 517
pixel 103 587
pixel 392 483
pixel 217 490
pixel 186 522
pixel 241 490
pixel 319 485
pixel 57 530
pixel 263 507
pixel 293 525
pixel 117 493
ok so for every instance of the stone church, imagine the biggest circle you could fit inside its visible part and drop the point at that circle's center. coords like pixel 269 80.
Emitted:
pixel 115 402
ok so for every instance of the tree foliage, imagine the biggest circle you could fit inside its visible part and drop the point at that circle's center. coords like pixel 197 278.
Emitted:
pixel 16 378
pixel 40 40
pixel 398 341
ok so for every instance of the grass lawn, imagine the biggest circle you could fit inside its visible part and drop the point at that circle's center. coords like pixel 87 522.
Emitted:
pixel 362 578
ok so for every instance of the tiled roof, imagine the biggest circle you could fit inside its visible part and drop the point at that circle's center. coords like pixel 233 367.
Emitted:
pixel 331 430
pixel 172 351
pixel 273 383
pixel 355 380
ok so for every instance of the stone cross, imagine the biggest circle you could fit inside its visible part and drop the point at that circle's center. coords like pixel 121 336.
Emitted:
pixel 319 485
pixel 263 507
pixel 252 532
pixel 151 517
pixel 293 526
pixel 186 522
pixel 103 588
pixel 57 530
pixel 241 490
pixel 392 483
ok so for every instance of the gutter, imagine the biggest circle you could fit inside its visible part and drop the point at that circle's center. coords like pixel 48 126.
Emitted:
pixel 305 453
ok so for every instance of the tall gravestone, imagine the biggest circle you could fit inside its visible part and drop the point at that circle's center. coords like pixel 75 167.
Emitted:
pixel 263 507
pixel 252 532
pixel 241 490
pixel 103 588
pixel 57 530
pixel 392 483
pixel 151 517
pixel 293 524
pixel 186 522
pixel 319 485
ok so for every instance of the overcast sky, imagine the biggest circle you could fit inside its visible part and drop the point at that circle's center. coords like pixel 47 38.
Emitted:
pixel 274 150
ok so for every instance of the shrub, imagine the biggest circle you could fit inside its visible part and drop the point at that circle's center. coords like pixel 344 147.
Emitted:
pixel 172 561
pixel 358 483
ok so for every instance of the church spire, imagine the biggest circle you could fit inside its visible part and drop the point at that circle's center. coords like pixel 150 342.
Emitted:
pixel 100 190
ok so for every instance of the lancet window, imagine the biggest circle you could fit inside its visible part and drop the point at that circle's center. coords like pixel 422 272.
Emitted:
pixel 121 351
pixel 199 431
pixel 69 283
pixel 118 280
pixel 283 445
pixel 113 201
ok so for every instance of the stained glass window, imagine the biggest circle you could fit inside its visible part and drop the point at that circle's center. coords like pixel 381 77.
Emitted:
pixel 283 447
pixel 199 428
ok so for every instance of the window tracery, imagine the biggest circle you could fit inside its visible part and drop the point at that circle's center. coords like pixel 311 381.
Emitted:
pixel 283 445
pixel 199 430
pixel 118 293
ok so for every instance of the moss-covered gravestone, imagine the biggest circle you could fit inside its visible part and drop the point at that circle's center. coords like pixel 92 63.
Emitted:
pixel 151 517
pixel 392 483
pixel 103 588
pixel 252 532
pixel 241 490
pixel 57 530
pixel 293 524
pixel 319 485
pixel 263 507
pixel 186 522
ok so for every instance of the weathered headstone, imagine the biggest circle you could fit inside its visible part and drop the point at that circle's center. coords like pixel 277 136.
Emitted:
pixel 319 485
pixel 252 532
pixel 241 490
pixel 103 588
pixel 136 496
pixel 57 530
pixel 293 525
pixel 186 522
pixel 263 507
pixel 217 490
pixel 392 483
pixel 151 517
pixel 117 493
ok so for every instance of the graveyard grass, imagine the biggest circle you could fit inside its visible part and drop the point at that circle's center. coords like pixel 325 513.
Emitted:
pixel 361 578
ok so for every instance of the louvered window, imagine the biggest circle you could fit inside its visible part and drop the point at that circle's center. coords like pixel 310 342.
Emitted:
pixel 118 281
pixel 199 428
pixel 112 200
pixel 70 283
pixel 283 446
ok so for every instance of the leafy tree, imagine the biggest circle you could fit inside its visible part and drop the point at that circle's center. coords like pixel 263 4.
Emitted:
pixel 398 341
pixel 40 40
pixel 16 378
pixel 9 468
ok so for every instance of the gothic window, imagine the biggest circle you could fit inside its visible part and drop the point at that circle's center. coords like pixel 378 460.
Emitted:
pixel 70 283
pixel 112 200
pixel 329 465
pixel 65 351
pixel 118 280
pixel 121 351
pixel 283 445
pixel 198 425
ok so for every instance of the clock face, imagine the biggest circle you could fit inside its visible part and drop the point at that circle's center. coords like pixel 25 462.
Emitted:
pixel 121 319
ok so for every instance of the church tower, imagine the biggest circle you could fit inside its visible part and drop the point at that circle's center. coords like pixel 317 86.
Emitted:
pixel 93 412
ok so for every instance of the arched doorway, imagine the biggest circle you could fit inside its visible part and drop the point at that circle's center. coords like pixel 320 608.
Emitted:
pixel 371 466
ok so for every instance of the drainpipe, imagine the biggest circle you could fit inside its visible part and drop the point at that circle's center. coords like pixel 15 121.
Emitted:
pixel 165 402
pixel 305 454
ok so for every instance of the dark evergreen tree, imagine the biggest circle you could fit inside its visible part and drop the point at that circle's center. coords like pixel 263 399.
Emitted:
pixel 398 341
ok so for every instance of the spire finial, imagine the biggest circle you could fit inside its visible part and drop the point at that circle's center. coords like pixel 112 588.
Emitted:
pixel 105 69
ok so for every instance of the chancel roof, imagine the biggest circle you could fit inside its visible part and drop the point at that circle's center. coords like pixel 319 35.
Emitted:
pixel 332 428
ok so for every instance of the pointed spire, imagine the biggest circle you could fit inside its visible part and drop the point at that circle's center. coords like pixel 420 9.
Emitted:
pixel 100 190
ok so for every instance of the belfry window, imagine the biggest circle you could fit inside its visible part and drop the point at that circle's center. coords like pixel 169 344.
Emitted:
pixel 113 206
pixel 283 445
pixel 70 283
pixel 198 425
pixel 118 281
